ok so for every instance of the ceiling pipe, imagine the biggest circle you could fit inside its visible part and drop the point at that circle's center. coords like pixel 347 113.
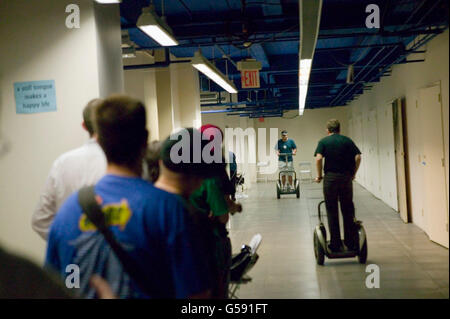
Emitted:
pixel 360 81
pixel 189 12
pixel 164 64
pixel 226 55
pixel 421 42
pixel 153 66
pixel 357 76
pixel 381 72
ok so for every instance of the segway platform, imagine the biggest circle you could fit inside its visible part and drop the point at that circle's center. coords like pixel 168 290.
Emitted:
pixel 321 244
pixel 296 183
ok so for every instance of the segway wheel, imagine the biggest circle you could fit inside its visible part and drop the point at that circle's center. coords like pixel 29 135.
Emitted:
pixel 362 256
pixel 297 191
pixel 318 251
pixel 278 192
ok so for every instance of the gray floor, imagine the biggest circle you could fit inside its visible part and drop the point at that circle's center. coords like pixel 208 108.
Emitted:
pixel 411 266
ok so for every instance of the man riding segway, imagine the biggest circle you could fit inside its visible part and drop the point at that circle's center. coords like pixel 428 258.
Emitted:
pixel 285 162
pixel 342 160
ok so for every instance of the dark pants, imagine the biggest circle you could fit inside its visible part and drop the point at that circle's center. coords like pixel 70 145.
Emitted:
pixel 339 188
pixel 233 180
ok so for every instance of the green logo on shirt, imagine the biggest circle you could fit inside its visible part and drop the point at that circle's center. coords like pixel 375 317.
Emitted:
pixel 115 215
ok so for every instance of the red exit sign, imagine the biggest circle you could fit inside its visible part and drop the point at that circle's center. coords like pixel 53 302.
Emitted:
pixel 250 79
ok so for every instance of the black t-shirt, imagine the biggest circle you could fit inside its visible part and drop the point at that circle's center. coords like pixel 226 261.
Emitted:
pixel 339 152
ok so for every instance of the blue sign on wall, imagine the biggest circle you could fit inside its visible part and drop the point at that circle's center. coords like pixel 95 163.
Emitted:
pixel 35 97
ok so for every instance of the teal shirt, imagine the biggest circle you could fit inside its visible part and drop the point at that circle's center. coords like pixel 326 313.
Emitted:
pixel 285 147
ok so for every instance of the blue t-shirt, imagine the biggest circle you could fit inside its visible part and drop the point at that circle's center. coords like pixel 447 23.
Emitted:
pixel 152 225
pixel 285 147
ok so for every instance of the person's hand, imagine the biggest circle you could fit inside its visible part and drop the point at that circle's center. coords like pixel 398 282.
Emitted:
pixel 102 288
pixel 235 208
pixel 318 179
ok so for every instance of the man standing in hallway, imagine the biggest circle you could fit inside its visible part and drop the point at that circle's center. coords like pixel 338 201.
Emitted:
pixel 285 146
pixel 70 171
pixel 342 160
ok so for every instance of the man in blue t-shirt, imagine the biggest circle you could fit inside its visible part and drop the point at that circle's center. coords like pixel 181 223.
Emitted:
pixel 285 162
pixel 153 224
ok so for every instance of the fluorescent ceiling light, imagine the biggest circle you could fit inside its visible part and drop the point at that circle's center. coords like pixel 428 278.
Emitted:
pixel 207 68
pixel 155 27
pixel 108 1
pixel 129 52
pixel 310 12
pixel 305 71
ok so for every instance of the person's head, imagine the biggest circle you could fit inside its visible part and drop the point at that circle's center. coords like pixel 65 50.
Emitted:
pixel 89 116
pixel 333 126
pixel 284 135
pixel 182 160
pixel 120 123
pixel 152 157
pixel 214 133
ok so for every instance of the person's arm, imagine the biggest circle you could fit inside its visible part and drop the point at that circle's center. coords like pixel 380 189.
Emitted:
pixel 319 166
pixel 52 262
pixel 357 153
pixel 318 154
pixel 233 208
pixel 102 288
pixel 45 210
pixel 219 201
pixel 294 148
pixel 357 164
pixel 276 148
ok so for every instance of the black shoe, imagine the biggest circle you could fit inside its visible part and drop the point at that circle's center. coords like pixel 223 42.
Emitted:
pixel 351 246
pixel 336 248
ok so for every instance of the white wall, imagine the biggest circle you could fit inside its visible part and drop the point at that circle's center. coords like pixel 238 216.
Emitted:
pixel 141 84
pixel 36 45
pixel 405 82
pixel 171 95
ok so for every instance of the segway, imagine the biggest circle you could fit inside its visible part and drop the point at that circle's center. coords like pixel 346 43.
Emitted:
pixel 321 243
pixel 286 171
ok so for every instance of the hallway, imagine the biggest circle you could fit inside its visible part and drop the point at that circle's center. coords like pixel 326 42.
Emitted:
pixel 411 266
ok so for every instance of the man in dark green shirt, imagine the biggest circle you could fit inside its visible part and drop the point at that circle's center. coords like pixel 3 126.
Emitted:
pixel 342 160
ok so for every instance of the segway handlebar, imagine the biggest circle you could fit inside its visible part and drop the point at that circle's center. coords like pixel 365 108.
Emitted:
pixel 287 154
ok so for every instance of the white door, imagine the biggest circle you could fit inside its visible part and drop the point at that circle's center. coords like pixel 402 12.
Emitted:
pixel 386 153
pixel 371 145
pixel 433 164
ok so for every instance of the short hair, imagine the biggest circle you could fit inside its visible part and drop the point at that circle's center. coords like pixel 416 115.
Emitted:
pixel 333 126
pixel 121 129
pixel 88 115
pixel 284 132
